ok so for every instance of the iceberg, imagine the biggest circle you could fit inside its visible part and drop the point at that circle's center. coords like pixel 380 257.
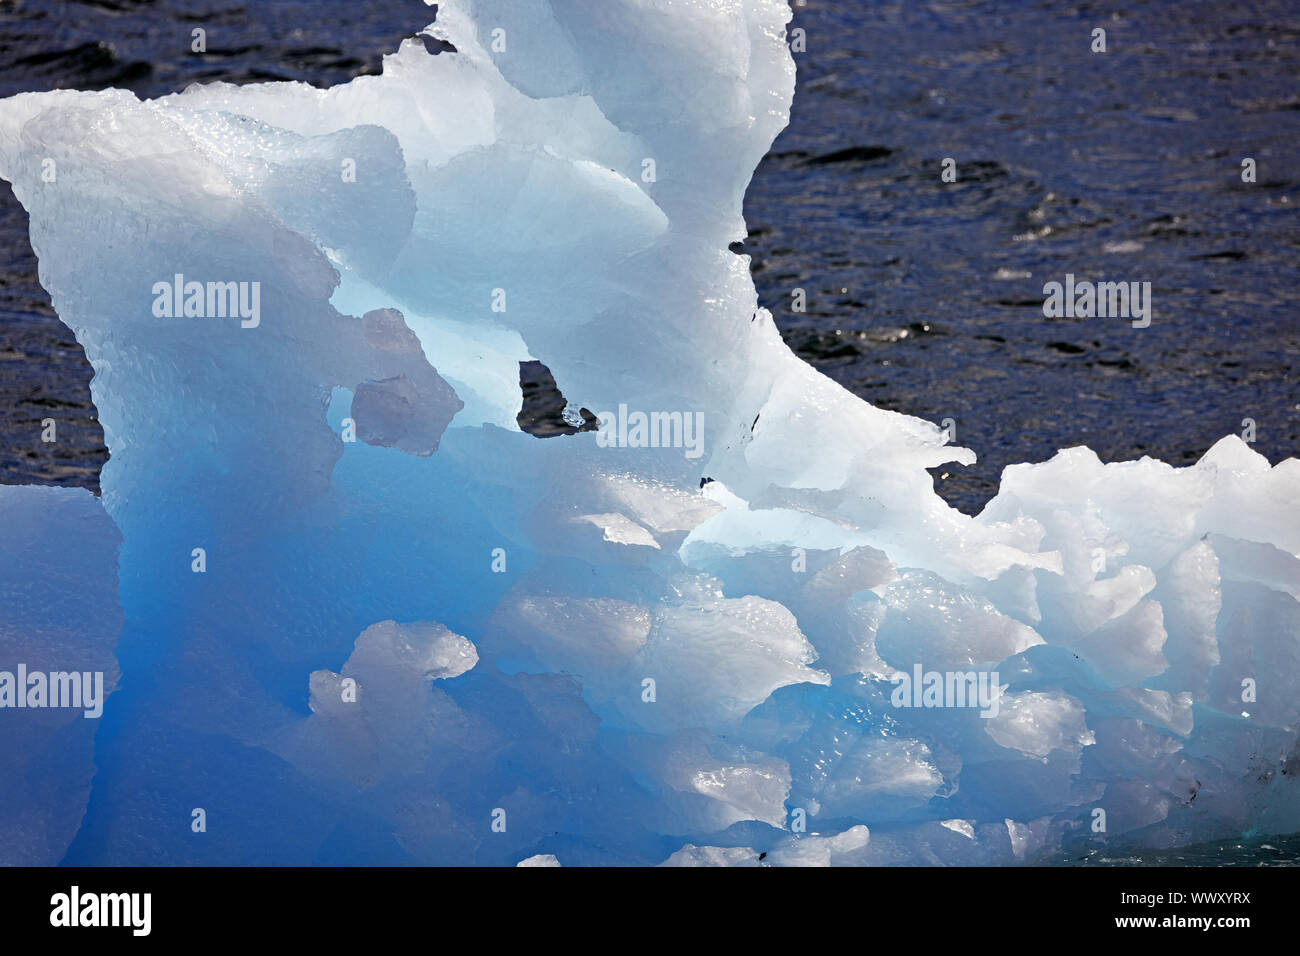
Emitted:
pixel 360 616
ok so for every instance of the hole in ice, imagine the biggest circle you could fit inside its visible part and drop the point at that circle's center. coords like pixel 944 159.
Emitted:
pixel 436 45
pixel 546 413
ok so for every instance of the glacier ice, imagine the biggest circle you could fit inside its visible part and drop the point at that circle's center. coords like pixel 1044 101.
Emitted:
pixel 364 618
pixel 58 614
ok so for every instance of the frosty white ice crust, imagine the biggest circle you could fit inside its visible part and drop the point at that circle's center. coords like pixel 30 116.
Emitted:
pixel 453 642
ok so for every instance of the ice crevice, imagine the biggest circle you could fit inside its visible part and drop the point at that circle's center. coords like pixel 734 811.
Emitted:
pixel 421 635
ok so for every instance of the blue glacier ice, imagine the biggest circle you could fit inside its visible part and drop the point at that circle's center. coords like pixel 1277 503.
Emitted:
pixel 361 617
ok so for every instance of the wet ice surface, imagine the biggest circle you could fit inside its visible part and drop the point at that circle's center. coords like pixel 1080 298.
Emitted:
pixel 923 297
pixel 143 47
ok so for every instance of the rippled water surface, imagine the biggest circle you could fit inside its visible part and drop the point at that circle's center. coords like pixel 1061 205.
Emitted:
pixel 921 295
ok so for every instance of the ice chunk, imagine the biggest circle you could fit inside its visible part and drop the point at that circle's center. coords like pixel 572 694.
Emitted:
pixel 692 855
pixel 59 624
pixel 306 311
pixel 1038 723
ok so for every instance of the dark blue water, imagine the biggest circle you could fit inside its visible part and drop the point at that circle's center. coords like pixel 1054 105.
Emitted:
pixel 1123 165
pixel 1247 851
pixel 922 296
